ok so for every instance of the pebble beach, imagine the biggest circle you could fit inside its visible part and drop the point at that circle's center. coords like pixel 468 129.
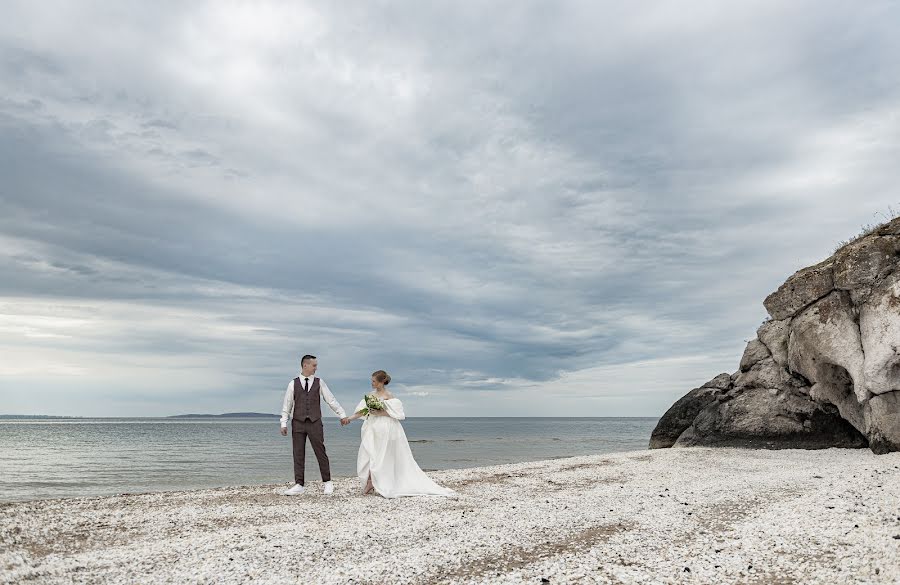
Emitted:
pixel 693 515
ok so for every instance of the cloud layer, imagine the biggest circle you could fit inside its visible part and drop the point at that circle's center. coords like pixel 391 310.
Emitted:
pixel 522 208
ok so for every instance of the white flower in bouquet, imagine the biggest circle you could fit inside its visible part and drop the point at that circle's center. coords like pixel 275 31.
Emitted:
pixel 372 403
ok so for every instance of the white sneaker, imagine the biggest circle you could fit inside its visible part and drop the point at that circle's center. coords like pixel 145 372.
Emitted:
pixel 294 491
pixel 327 488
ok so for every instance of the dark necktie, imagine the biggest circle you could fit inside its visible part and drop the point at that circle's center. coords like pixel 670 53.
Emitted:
pixel 306 384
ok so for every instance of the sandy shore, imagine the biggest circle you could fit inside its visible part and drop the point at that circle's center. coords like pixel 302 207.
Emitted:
pixel 668 516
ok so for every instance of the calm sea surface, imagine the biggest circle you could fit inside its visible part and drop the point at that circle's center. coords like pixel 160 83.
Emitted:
pixel 49 458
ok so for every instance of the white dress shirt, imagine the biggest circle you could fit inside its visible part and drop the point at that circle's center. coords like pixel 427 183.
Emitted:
pixel 287 409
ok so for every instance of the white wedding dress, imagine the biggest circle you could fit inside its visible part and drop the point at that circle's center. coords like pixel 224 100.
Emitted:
pixel 384 452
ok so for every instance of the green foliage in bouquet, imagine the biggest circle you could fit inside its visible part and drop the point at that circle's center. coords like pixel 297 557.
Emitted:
pixel 372 403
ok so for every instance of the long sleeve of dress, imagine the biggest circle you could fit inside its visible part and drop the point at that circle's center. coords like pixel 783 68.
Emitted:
pixel 360 406
pixel 394 407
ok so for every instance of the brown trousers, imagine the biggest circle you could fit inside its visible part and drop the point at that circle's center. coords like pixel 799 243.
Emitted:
pixel 316 433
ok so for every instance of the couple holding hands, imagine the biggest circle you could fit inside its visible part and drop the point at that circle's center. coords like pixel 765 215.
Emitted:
pixel 385 463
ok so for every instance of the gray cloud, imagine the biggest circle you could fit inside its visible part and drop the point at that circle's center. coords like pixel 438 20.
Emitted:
pixel 593 198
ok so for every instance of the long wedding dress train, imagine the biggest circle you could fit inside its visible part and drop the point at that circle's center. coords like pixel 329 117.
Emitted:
pixel 385 454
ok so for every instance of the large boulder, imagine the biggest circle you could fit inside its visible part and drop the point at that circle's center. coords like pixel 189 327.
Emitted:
pixel 824 371
pixel 771 418
pixel 681 415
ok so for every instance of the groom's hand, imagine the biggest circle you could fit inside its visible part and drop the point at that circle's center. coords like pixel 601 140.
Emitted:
pixel 284 431
pixel 345 421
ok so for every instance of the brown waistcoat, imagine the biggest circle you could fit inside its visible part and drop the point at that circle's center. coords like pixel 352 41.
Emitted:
pixel 307 405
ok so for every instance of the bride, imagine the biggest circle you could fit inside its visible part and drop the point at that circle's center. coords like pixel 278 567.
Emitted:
pixel 385 462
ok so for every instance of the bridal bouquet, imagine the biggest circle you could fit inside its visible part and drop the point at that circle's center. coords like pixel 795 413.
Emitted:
pixel 372 403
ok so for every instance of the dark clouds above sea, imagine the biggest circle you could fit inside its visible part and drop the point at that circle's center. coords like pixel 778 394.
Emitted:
pixel 517 208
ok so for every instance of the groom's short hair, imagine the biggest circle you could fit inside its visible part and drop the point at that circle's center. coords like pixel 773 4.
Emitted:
pixel 305 359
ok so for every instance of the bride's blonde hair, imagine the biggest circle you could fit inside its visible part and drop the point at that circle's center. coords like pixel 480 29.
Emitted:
pixel 382 377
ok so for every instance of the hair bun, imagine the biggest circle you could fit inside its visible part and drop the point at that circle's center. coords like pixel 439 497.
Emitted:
pixel 382 377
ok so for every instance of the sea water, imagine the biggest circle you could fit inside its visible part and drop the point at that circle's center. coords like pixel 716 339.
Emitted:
pixel 54 458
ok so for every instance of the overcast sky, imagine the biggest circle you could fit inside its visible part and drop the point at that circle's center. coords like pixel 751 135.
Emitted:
pixel 515 208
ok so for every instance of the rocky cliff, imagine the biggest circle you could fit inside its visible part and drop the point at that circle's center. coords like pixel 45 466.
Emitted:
pixel 823 371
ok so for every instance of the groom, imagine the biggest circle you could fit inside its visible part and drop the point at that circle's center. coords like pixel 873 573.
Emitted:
pixel 303 408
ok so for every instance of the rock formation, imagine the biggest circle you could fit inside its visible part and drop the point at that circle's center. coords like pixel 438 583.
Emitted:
pixel 823 371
